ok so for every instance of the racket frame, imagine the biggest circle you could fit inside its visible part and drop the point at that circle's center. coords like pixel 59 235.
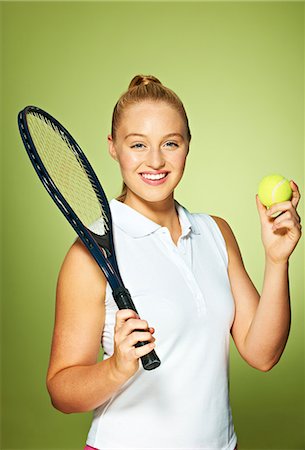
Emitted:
pixel 90 239
pixel 100 247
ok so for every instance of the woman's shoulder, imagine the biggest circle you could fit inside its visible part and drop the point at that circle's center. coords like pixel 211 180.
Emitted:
pixel 216 225
pixel 203 220
pixel 222 233
pixel 225 232
pixel 80 268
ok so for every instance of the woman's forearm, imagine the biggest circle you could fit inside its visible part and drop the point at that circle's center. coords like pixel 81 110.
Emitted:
pixel 84 388
pixel 269 330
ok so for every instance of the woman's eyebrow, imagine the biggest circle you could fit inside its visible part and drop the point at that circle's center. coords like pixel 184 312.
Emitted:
pixel 143 135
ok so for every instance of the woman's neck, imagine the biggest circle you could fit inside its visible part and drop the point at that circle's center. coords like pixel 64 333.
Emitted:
pixel 162 212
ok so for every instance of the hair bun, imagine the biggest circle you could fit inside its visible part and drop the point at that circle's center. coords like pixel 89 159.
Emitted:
pixel 143 79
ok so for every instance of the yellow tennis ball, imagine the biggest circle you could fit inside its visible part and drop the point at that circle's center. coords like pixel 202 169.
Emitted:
pixel 274 189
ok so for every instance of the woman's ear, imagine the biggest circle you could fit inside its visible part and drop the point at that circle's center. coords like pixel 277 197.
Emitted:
pixel 111 148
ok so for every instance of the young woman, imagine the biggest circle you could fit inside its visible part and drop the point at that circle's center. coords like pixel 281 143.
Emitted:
pixel 186 276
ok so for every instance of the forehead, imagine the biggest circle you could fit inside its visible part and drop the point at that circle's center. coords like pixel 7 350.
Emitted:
pixel 145 117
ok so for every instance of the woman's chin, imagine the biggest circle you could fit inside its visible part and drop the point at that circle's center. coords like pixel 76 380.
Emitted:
pixel 149 195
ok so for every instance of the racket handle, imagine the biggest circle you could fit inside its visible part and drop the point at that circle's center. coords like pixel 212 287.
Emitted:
pixel 123 300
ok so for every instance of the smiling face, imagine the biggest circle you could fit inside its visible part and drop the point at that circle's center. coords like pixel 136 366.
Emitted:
pixel 151 147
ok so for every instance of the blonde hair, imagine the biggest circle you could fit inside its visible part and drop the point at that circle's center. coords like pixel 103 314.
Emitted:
pixel 141 88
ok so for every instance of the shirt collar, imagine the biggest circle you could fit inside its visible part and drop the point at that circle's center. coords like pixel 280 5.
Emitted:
pixel 137 225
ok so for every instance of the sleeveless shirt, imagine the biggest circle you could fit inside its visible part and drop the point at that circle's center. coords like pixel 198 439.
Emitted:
pixel 183 291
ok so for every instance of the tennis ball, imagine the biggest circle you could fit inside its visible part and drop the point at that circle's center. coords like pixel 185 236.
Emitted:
pixel 274 189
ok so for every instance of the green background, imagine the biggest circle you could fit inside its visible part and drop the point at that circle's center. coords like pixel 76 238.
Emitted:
pixel 238 67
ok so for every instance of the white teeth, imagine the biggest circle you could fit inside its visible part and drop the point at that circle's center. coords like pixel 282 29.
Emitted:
pixel 154 177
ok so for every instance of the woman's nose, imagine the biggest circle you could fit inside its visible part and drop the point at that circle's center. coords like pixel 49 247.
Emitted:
pixel 155 158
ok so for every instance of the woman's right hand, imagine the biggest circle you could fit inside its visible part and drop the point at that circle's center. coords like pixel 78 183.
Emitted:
pixel 126 356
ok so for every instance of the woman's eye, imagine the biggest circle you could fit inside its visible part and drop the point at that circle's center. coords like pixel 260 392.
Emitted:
pixel 174 144
pixel 170 144
pixel 136 146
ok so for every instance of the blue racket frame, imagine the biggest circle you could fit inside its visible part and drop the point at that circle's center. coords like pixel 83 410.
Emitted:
pixel 100 247
pixel 109 265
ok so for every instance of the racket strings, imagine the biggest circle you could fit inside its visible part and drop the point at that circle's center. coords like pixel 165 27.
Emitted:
pixel 68 172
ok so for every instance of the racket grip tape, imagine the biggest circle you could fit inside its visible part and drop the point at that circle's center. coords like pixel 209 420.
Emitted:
pixel 123 300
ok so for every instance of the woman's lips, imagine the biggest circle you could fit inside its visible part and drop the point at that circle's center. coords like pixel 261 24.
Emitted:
pixel 154 179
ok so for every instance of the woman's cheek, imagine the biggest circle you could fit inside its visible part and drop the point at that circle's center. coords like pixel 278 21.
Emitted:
pixel 129 160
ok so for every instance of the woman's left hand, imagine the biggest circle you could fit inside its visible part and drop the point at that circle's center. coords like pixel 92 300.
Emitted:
pixel 281 234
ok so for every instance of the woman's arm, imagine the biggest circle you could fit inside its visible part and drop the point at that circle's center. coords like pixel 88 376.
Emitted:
pixel 261 325
pixel 269 329
pixel 75 380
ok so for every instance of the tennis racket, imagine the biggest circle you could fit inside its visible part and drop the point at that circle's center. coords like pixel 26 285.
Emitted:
pixel 70 180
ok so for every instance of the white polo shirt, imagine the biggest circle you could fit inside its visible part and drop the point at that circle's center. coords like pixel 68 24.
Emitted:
pixel 183 291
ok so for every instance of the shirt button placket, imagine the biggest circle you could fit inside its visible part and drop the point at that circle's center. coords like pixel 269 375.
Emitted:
pixel 200 301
